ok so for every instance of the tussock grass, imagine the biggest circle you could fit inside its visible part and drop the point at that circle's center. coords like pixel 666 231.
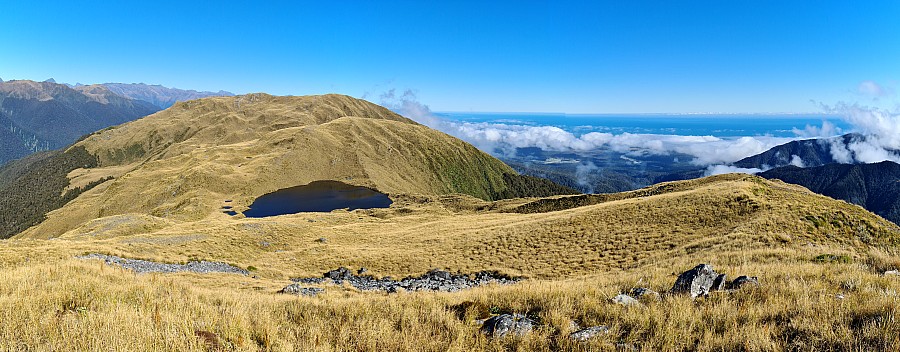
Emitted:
pixel 577 258
pixel 81 305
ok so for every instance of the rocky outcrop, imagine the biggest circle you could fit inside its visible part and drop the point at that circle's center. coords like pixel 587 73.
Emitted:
pixel 702 279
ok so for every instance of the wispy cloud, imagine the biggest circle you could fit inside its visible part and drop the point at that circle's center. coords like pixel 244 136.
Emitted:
pixel 874 90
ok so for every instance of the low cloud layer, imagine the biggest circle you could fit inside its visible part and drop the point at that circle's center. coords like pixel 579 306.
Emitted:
pixel 503 139
pixel 881 131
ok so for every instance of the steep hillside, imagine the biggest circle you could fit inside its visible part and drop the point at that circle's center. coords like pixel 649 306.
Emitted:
pixel 161 97
pixel 181 163
pixel 40 116
pixel 875 187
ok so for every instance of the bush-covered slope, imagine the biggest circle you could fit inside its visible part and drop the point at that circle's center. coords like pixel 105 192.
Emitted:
pixel 875 187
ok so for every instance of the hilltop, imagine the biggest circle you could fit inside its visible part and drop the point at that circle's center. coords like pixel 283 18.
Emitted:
pixel 187 159
pixel 804 153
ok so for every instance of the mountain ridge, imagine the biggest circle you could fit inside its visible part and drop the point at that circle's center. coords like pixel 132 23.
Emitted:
pixel 158 95
pixel 40 116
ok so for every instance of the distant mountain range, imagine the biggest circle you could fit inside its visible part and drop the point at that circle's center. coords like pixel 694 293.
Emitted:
pixel 875 187
pixel 160 96
pixel 41 116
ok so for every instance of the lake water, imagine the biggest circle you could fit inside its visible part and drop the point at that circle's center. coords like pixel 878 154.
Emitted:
pixel 318 196
pixel 721 125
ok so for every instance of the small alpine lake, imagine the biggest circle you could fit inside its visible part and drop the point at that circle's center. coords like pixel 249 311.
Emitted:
pixel 317 196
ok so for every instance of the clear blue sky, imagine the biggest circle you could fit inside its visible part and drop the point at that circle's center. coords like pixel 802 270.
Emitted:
pixel 617 56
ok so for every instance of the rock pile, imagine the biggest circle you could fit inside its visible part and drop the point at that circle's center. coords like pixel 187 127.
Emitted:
pixel 699 281
pixel 434 280
pixel 146 266
pixel 702 279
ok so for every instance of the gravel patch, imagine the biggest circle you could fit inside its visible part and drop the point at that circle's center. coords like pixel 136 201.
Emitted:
pixel 146 266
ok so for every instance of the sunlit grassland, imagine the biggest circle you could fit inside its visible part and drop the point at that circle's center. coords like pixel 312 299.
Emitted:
pixel 820 262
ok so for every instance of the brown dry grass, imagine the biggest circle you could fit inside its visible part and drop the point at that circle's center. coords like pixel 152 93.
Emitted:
pixel 79 305
pixel 577 258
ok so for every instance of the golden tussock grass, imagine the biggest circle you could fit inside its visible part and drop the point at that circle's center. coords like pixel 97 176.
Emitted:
pixel 808 250
pixel 85 305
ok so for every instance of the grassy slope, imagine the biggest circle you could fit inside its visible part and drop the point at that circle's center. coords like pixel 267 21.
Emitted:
pixel 578 257
pixel 183 162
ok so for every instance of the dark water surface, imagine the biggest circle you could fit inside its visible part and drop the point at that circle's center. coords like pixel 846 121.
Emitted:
pixel 318 196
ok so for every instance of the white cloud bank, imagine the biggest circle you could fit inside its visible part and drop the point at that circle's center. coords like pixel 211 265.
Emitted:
pixel 505 138
pixel 880 128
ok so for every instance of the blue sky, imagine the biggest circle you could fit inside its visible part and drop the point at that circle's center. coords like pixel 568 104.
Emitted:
pixel 576 57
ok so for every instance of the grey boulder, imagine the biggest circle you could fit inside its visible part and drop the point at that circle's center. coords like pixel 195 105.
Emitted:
pixel 742 281
pixel 625 300
pixel 698 281
pixel 506 324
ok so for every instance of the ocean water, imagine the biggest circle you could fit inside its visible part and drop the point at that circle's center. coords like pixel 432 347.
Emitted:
pixel 718 125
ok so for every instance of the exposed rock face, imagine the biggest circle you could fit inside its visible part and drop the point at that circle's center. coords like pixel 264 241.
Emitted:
pixel 698 281
pixel 742 281
pixel 589 333
pixel 145 266
pixel 506 324
pixel 434 280
pixel 296 289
